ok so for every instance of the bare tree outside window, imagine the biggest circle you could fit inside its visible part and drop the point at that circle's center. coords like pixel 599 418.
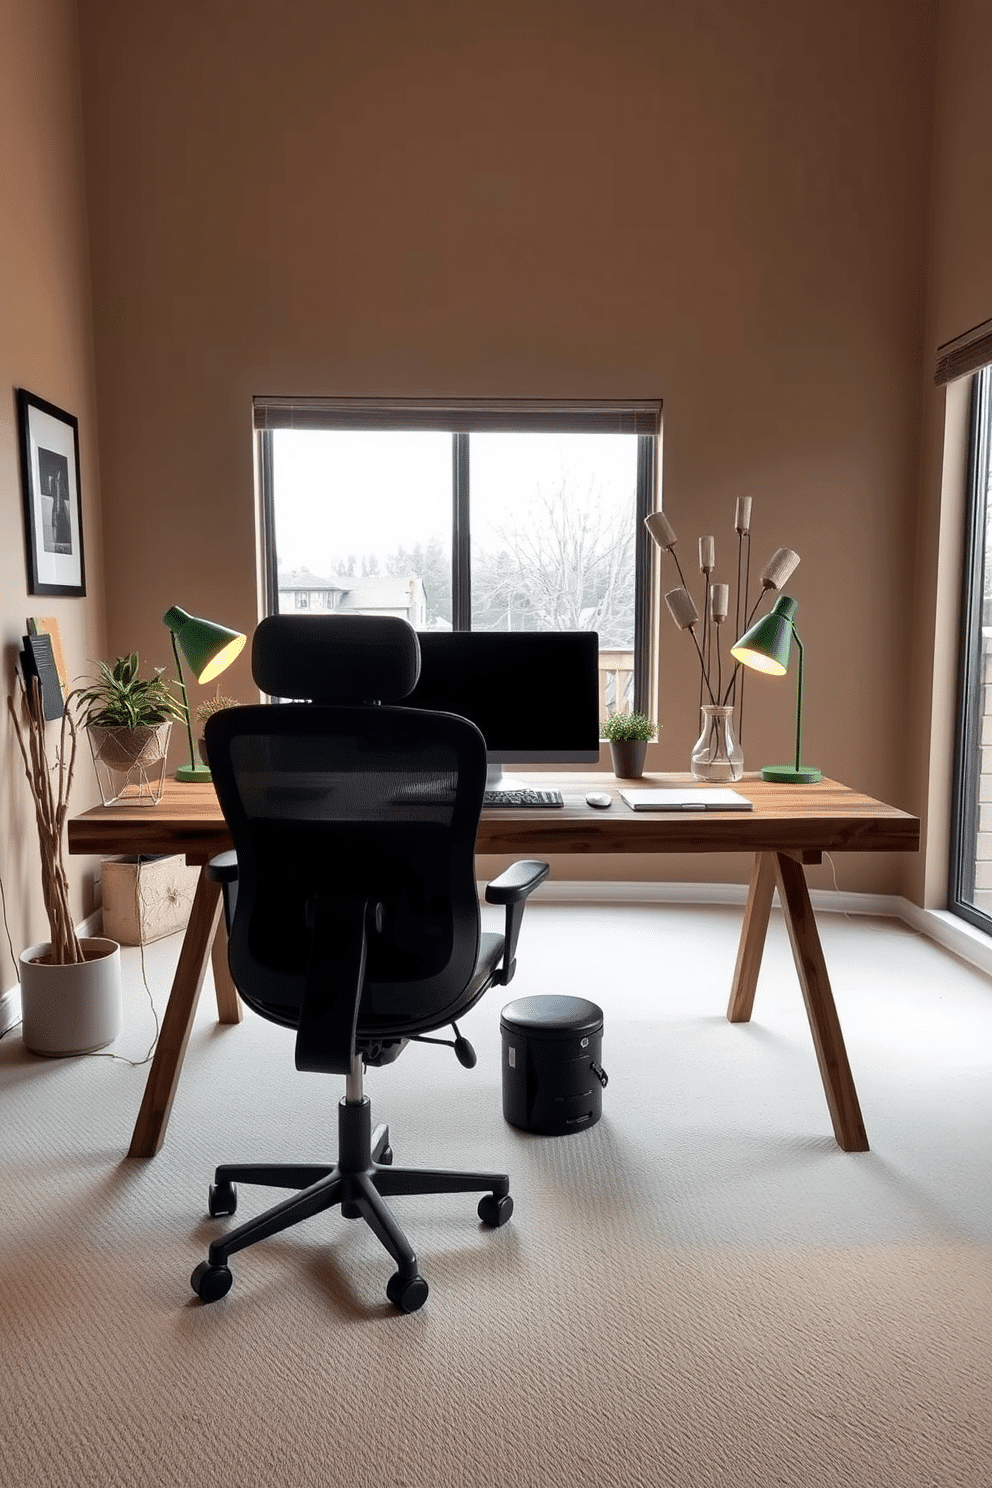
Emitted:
pixel 362 522
pixel 570 567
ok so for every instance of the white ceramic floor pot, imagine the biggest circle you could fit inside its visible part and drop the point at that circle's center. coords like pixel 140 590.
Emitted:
pixel 71 1009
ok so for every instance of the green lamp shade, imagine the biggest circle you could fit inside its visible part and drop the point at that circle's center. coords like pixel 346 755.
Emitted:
pixel 207 648
pixel 766 648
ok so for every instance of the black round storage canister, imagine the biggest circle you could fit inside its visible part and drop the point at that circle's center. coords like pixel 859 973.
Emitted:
pixel 552 1078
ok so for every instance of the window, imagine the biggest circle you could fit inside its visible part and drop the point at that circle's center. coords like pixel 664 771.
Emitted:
pixel 465 516
pixel 970 887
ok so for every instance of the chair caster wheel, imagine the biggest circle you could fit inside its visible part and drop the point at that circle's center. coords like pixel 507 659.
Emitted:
pixel 407 1294
pixel 493 1211
pixel 210 1283
pixel 222 1199
pixel 386 1157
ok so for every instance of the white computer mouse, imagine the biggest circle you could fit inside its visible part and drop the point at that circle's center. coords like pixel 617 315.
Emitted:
pixel 599 798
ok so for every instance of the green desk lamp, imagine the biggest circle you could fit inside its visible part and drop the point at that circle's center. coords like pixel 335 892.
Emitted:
pixel 765 648
pixel 208 649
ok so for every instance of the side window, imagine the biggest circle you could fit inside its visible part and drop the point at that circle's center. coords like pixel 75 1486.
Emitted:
pixel 970 886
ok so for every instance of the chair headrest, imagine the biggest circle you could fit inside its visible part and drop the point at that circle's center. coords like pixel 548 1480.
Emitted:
pixel 336 658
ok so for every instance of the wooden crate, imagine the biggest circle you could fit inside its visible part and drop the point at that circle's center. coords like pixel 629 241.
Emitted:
pixel 146 897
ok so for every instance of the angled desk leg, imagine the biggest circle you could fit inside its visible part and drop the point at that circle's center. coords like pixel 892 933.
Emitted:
pixel 229 1006
pixel 835 1071
pixel 752 942
pixel 163 1077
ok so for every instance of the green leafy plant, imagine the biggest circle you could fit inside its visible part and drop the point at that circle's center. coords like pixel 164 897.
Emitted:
pixel 620 726
pixel 122 698
pixel 213 705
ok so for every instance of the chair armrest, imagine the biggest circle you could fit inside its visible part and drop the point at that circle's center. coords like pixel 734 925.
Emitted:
pixel 223 869
pixel 512 888
pixel 516 882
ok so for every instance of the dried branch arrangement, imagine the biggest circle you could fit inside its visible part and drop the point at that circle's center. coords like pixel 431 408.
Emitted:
pixel 716 600
pixel 50 786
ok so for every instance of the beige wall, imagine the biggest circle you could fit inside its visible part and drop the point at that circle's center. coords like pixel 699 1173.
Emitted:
pixel 45 346
pixel 960 296
pixel 723 205
pixel 719 204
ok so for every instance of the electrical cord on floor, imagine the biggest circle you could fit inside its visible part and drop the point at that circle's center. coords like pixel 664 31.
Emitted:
pixel 846 913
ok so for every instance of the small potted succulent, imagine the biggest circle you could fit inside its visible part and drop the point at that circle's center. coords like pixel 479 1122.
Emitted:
pixel 628 735
pixel 206 710
pixel 128 719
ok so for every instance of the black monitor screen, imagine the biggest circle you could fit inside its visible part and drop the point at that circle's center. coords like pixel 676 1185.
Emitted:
pixel 533 695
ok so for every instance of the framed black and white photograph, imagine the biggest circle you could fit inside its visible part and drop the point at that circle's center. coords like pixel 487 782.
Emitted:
pixel 53 527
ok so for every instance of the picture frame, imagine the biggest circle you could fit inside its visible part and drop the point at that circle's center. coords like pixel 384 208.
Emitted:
pixel 53 525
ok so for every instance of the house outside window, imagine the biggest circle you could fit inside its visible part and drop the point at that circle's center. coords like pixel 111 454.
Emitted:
pixel 457 515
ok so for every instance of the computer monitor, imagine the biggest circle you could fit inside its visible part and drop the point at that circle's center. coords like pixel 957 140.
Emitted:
pixel 533 695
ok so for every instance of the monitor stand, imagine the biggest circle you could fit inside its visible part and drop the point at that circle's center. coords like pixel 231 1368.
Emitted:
pixel 497 781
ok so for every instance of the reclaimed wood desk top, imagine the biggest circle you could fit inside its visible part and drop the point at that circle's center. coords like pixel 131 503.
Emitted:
pixel 810 819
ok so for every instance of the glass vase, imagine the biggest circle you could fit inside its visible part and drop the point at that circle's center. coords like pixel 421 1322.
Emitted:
pixel 716 755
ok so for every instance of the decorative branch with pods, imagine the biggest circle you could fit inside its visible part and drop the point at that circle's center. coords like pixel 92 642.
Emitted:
pixel 716 602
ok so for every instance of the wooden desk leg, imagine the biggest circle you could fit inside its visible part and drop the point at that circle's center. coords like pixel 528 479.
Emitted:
pixel 752 942
pixel 163 1077
pixel 229 1008
pixel 838 1083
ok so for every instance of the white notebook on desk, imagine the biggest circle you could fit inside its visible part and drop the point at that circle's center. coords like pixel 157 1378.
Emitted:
pixel 677 798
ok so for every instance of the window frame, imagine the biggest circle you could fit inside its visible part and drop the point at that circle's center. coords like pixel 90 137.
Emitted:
pixel 642 418
pixel 965 798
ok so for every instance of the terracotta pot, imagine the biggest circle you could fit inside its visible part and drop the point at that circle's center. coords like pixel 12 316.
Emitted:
pixel 71 1009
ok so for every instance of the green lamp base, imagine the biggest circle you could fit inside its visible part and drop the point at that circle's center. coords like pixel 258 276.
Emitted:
pixel 789 775
pixel 193 772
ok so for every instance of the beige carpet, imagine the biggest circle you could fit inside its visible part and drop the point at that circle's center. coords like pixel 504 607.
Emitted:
pixel 701 1290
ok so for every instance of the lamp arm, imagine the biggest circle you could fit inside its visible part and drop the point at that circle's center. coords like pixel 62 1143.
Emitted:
pixel 194 757
pixel 799 699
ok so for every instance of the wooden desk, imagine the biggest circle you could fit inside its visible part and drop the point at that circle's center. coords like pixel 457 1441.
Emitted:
pixel 789 826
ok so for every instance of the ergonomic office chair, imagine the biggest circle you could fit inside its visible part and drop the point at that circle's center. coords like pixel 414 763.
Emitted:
pixel 352 907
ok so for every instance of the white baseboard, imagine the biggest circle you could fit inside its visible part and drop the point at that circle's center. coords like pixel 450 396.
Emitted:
pixel 948 930
pixel 952 932
pixel 590 891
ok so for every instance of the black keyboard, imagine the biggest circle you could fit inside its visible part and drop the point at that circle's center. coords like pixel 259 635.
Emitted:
pixel 523 798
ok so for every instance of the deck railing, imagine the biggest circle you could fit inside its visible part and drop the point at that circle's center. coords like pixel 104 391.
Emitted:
pixel 616 683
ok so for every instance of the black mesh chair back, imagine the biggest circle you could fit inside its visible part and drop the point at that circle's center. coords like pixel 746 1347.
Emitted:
pixel 332 807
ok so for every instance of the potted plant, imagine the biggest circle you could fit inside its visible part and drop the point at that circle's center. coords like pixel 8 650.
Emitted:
pixel 128 719
pixel 629 735
pixel 206 710
pixel 70 987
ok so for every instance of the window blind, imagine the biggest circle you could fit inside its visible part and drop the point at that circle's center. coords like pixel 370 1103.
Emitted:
pixel 462 415
pixel 966 353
